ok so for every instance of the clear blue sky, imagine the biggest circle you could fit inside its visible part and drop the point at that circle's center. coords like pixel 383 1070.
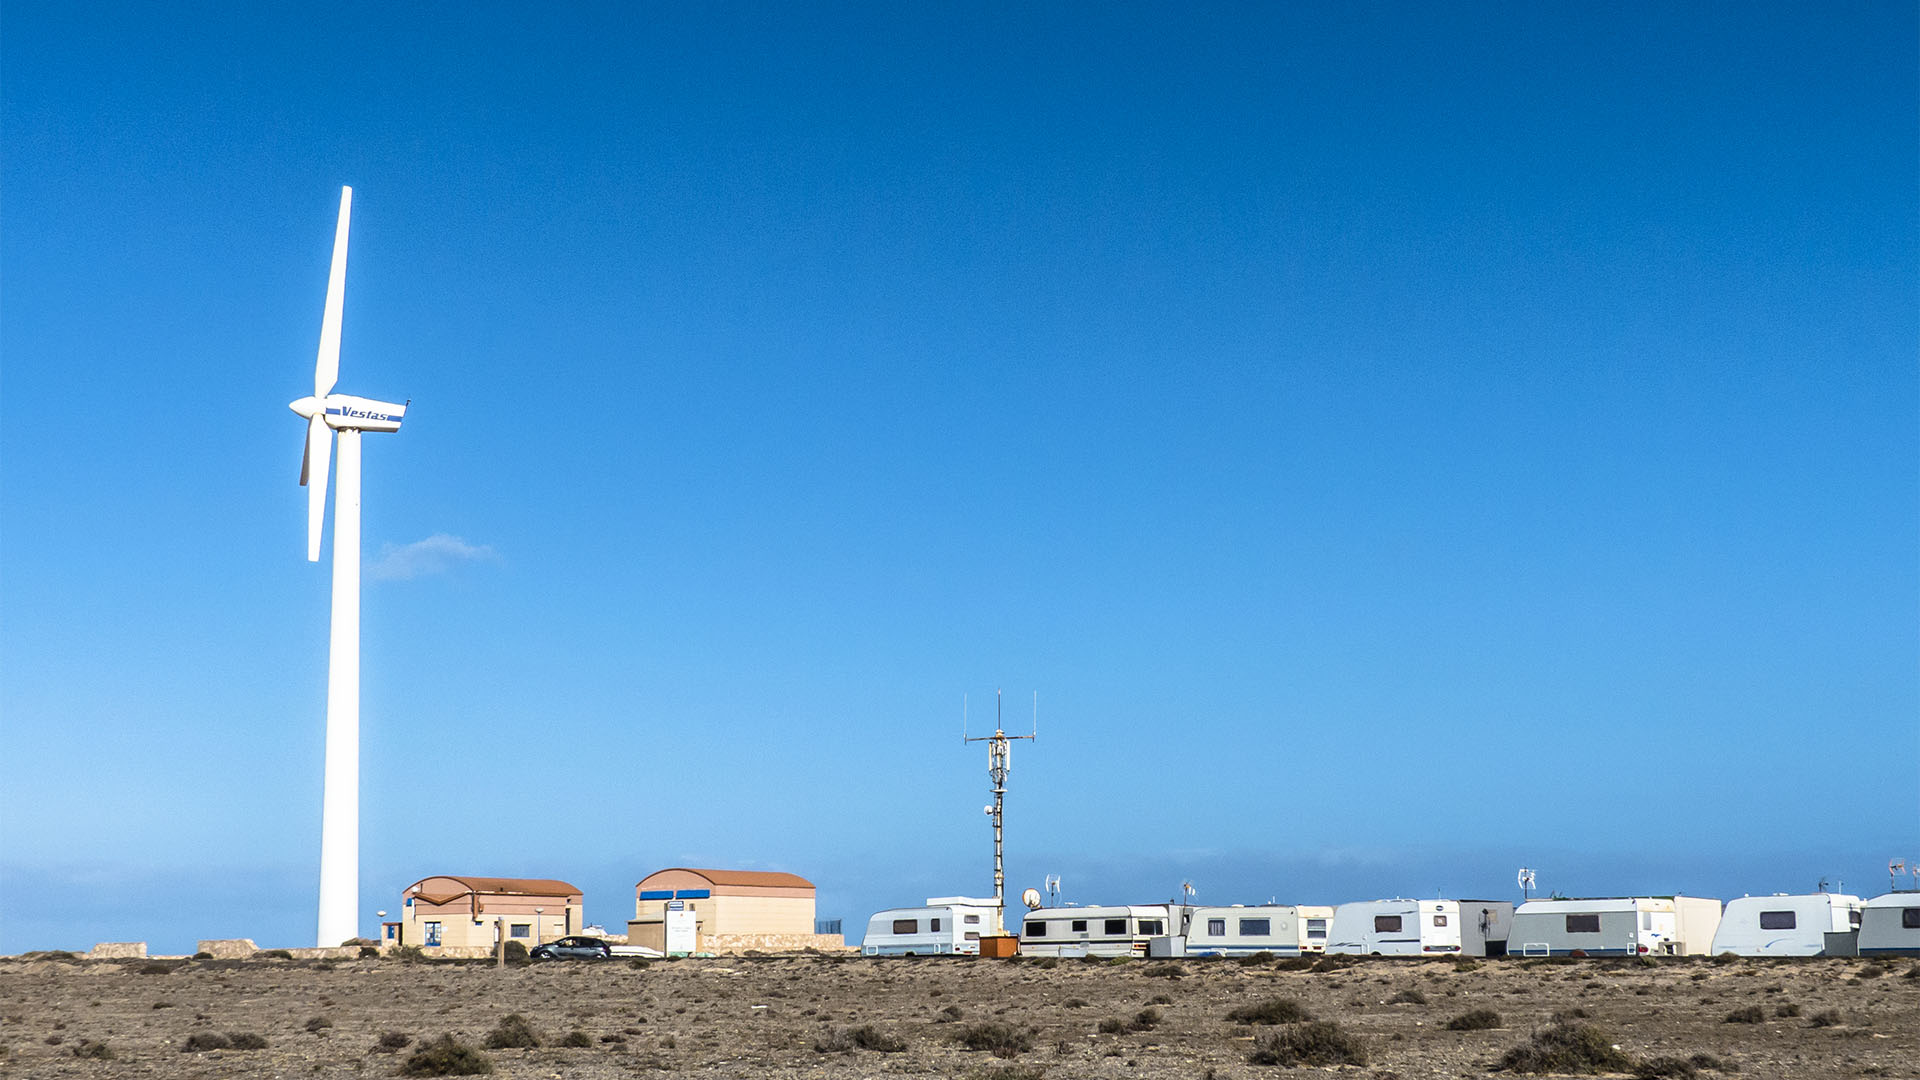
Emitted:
pixel 1397 442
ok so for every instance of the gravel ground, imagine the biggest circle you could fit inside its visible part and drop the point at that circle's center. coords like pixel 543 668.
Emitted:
pixel 779 1016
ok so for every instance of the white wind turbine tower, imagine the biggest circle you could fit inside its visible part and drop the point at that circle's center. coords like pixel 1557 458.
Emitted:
pixel 331 416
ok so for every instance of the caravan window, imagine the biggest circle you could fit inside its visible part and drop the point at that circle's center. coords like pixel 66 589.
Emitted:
pixel 973 935
pixel 1079 926
pixel 1116 926
pixel 1036 929
pixel 935 928
pixel 973 920
pixel 1386 924
pixel 1256 927
pixel 1150 926
pixel 1777 920
pixel 906 926
pixel 1854 918
pixel 1910 918
pixel 1439 920
pixel 1316 928
pixel 1583 924
pixel 1216 928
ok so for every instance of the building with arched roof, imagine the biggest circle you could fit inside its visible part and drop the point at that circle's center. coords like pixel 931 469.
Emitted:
pixel 457 912
pixel 733 910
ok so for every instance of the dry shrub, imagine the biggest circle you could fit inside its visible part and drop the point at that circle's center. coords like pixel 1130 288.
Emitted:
pixel 201 1041
pixel 93 1050
pixel 1830 1018
pixel 1752 1014
pixel 1255 959
pixel 273 954
pixel 1786 1008
pixel 1271 1011
pixel 1567 1048
pixel 1475 1020
pixel 1466 964
pixel 1317 1042
pixel 318 1024
pixel 446 1056
pixel 1409 996
pixel 1112 1025
pixel 513 1033
pixel 1164 971
pixel 1726 958
pixel 1294 963
pixel 1666 1067
pixel 948 1015
pixel 391 1042
pixel 1000 1040
pixel 246 1040
pixel 575 1039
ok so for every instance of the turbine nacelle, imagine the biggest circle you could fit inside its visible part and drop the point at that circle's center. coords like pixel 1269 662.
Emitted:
pixel 339 411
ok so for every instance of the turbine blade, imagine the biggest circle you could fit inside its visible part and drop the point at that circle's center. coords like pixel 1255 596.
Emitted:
pixel 306 454
pixel 320 453
pixel 326 371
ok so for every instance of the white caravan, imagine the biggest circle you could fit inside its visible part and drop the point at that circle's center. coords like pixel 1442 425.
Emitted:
pixel 1890 925
pixel 1243 931
pixel 1615 926
pixel 1788 925
pixel 1099 931
pixel 947 925
pixel 1396 928
pixel 1315 922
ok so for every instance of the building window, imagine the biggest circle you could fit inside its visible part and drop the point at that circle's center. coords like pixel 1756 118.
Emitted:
pixel 1583 924
pixel 1150 926
pixel 1036 929
pixel 935 928
pixel 433 933
pixel 520 929
pixel 973 920
pixel 1910 918
pixel 1777 920
pixel 1386 924
pixel 1256 927
pixel 1439 920
pixel 1116 927
pixel 906 926
pixel 1216 928
pixel 1079 926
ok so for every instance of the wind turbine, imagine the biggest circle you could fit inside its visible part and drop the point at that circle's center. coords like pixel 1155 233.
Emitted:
pixel 330 416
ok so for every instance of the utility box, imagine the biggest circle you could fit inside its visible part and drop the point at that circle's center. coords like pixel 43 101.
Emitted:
pixel 998 946
pixel 1166 946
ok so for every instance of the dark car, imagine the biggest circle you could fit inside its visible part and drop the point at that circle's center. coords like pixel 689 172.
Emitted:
pixel 572 948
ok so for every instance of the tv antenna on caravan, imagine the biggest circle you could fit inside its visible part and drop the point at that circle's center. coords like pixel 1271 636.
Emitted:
pixel 1031 898
pixel 1053 890
pixel 1526 883
pixel 1896 867
pixel 1187 889
pixel 999 764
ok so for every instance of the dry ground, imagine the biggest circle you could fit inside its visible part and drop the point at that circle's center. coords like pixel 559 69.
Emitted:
pixel 751 1017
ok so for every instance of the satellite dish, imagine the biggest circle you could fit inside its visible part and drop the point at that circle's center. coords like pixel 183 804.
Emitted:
pixel 1031 898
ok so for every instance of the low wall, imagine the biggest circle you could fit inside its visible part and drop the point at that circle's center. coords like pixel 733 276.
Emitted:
pixel 229 948
pixel 118 950
pixel 739 943
pixel 332 952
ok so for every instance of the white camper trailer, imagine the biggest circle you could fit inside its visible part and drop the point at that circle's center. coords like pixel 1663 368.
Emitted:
pixel 1890 925
pixel 947 925
pixel 1243 931
pixel 1615 926
pixel 1316 920
pixel 1784 925
pixel 1099 931
pixel 1396 928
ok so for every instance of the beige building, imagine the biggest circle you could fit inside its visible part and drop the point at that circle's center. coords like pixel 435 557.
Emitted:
pixel 456 916
pixel 734 910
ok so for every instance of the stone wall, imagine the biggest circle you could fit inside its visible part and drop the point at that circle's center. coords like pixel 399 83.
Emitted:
pixel 118 950
pixel 739 943
pixel 229 948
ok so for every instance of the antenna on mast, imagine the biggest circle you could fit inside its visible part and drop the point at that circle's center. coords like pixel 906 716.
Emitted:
pixel 999 764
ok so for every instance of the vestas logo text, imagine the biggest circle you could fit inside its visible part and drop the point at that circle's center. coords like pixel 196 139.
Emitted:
pixel 350 413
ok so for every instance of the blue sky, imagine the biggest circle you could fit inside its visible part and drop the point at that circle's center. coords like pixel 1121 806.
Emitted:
pixel 1397 443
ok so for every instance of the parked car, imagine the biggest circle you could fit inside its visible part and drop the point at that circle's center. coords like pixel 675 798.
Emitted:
pixel 572 948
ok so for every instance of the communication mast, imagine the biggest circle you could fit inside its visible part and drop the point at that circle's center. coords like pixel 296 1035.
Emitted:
pixel 999 764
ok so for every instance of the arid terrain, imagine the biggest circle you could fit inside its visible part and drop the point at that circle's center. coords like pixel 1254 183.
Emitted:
pixel 811 1016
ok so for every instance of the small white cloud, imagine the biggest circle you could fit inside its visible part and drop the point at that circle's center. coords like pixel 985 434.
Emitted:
pixel 437 554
